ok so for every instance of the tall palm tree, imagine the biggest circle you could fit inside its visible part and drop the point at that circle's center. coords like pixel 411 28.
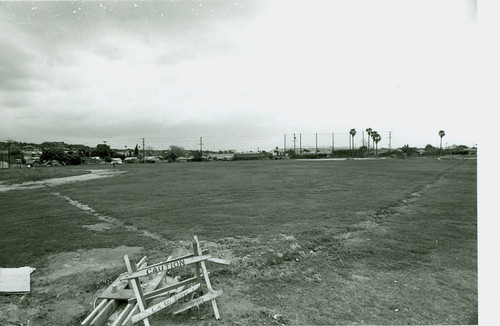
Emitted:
pixel 441 134
pixel 369 132
pixel 352 132
pixel 376 138
pixel 373 134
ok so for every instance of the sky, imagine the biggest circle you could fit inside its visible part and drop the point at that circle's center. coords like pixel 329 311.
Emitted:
pixel 240 74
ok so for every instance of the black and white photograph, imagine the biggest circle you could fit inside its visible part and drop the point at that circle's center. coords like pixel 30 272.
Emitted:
pixel 249 162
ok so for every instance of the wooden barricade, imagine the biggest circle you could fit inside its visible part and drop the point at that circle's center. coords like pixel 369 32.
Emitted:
pixel 112 299
pixel 182 289
pixel 125 301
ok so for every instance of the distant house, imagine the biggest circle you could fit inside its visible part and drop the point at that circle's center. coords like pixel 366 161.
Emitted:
pixel 116 160
pixel 152 159
pixel 221 157
pixel 123 152
pixel 32 160
pixel 131 159
pixel 471 151
pixel 94 160
pixel 250 156
pixel 4 165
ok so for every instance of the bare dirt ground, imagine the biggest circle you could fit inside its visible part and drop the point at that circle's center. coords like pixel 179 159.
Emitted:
pixel 94 174
pixel 58 293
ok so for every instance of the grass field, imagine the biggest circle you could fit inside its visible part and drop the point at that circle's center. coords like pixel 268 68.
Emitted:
pixel 311 242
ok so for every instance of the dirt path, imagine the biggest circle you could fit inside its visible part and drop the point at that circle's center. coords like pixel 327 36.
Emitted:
pixel 94 174
pixel 110 221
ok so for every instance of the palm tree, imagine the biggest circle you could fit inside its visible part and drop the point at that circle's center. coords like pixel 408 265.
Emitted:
pixel 441 134
pixel 376 138
pixel 352 132
pixel 373 134
pixel 369 132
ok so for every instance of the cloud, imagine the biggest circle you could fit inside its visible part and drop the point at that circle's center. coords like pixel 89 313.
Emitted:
pixel 271 67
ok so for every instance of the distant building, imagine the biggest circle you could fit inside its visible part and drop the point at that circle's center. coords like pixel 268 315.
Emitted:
pixel 4 165
pixel 152 159
pixel 250 156
pixel 131 159
pixel 221 157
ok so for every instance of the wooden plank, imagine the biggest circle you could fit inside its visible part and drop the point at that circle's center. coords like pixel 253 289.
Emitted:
pixel 220 261
pixel 136 285
pixel 142 262
pixel 128 320
pixel 104 314
pixel 164 304
pixel 210 296
pixel 117 290
pixel 170 258
pixel 207 280
pixel 165 290
pixel 94 313
pixel 196 265
pixel 165 266
pixel 124 294
pixel 121 317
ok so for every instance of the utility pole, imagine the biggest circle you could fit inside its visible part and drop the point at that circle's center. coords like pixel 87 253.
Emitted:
pixel 201 145
pixel 316 143
pixel 300 144
pixel 333 142
pixel 390 139
pixel 8 142
pixel 143 155
pixel 350 147
pixel 294 142
pixel 284 145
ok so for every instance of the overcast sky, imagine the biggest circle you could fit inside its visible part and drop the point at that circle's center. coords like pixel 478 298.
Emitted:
pixel 240 74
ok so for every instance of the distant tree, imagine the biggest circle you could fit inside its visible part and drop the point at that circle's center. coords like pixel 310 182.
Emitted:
pixel 352 132
pixel 136 150
pixel 409 151
pixel 17 154
pixel 75 159
pixel 197 156
pixel 175 151
pixel 103 151
pixel 376 138
pixel 291 153
pixel 441 135
pixel 82 152
pixel 429 149
pixel 369 132
pixel 121 156
pixel 53 153
pixel 150 150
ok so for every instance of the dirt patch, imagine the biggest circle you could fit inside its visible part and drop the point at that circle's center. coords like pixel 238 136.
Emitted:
pixel 94 174
pixel 99 227
pixel 60 292
pixel 84 261
pixel 109 220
